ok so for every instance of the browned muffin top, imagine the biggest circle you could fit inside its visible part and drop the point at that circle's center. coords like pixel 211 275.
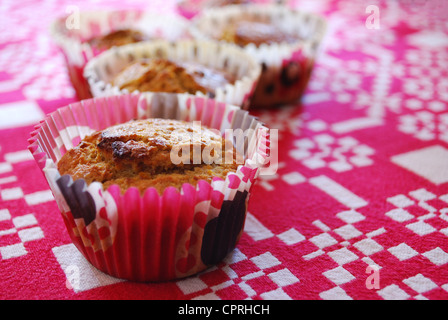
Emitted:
pixel 138 153
pixel 162 75
pixel 116 38
pixel 257 32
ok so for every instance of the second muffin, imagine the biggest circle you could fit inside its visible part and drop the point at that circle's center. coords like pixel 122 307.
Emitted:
pixel 206 68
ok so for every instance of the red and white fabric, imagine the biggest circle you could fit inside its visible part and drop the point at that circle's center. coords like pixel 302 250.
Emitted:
pixel 361 189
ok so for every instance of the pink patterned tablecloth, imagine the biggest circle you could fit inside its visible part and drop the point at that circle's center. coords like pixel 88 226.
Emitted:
pixel 358 208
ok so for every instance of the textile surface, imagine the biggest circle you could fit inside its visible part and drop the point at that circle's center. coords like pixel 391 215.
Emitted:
pixel 358 208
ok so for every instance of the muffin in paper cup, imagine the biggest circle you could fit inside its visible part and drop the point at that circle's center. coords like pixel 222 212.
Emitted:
pixel 219 60
pixel 151 236
pixel 283 40
pixel 77 36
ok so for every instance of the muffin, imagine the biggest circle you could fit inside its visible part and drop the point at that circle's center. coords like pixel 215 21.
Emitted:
pixel 222 71
pixel 133 209
pixel 138 154
pixel 284 41
pixel 97 31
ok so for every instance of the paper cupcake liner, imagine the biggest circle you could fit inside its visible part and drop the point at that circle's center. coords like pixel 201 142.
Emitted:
pixel 70 34
pixel 150 237
pixel 103 68
pixel 286 67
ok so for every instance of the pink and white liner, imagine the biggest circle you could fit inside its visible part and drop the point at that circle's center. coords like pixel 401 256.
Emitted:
pixel 149 237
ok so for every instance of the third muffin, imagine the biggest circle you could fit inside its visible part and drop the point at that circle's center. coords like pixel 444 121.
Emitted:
pixel 283 40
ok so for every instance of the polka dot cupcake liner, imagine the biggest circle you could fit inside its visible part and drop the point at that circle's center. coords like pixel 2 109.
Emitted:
pixel 71 36
pixel 286 67
pixel 219 56
pixel 151 237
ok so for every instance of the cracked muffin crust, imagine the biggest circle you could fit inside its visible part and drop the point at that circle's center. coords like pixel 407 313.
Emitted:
pixel 139 154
